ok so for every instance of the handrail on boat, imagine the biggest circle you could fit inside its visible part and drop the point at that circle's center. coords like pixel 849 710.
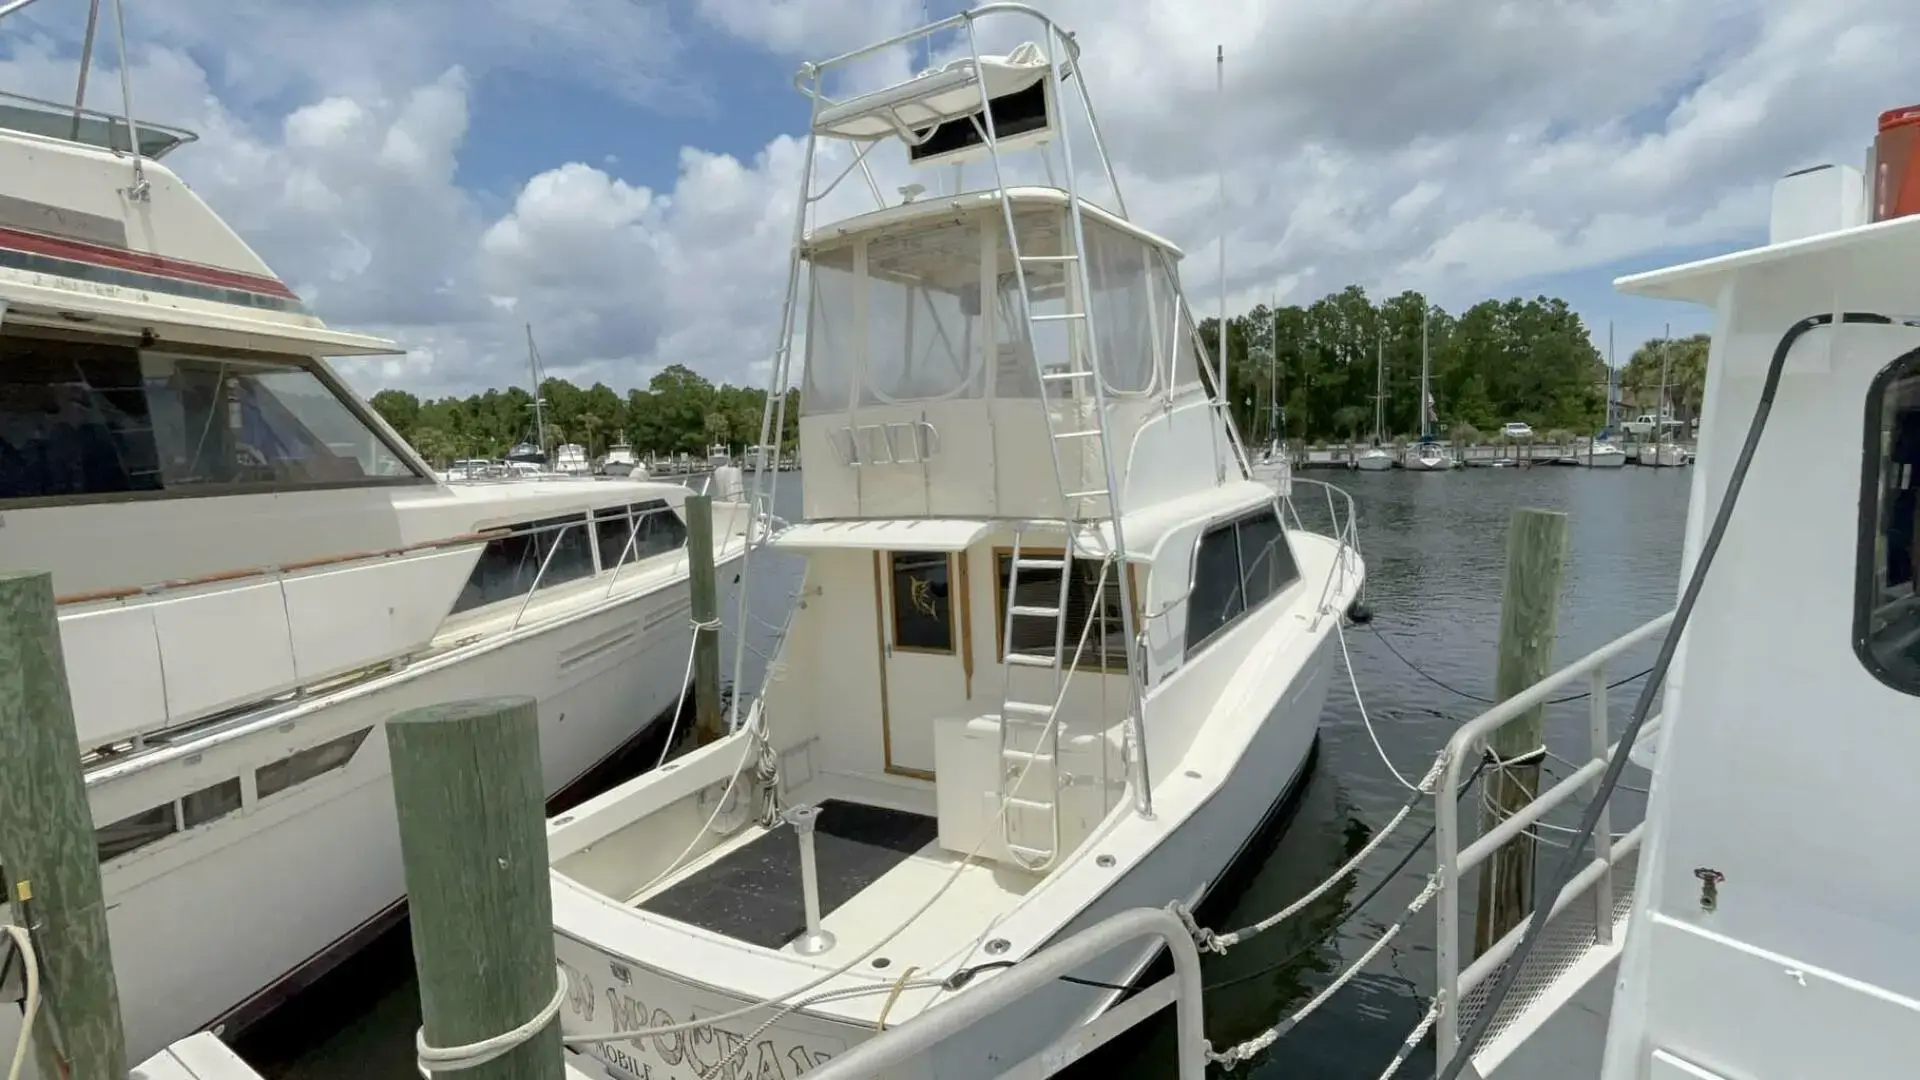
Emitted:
pixel 1453 985
pixel 899 1045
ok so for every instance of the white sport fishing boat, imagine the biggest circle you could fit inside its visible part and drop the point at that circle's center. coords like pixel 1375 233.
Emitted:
pixel 254 571
pixel 1056 654
pixel 1758 922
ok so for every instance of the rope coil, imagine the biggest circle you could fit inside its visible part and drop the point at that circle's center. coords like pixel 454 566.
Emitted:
pixel 442 1059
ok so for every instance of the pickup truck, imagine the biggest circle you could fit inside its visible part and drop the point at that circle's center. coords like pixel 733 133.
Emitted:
pixel 1642 426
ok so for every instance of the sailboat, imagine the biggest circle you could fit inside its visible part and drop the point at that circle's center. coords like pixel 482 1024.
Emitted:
pixel 1375 458
pixel 1601 452
pixel 1429 454
pixel 1662 451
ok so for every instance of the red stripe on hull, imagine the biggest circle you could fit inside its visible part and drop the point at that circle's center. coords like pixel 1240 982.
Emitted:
pixel 141 262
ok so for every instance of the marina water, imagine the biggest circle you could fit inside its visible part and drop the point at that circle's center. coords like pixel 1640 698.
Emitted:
pixel 1435 550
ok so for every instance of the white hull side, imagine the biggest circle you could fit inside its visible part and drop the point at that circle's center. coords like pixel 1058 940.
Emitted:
pixel 1417 464
pixel 1373 461
pixel 1606 461
pixel 249 898
pixel 1183 866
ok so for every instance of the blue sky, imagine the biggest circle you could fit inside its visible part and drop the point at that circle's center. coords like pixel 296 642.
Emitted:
pixel 621 173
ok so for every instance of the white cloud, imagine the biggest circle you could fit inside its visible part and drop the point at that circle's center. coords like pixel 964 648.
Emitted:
pixel 1462 148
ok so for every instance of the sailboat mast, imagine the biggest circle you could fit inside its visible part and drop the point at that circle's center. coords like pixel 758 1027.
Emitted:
pixel 1612 374
pixel 1273 371
pixel 1379 384
pixel 533 368
pixel 1426 396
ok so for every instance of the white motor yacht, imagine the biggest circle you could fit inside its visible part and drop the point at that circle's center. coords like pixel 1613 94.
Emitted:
pixel 1058 653
pixel 254 571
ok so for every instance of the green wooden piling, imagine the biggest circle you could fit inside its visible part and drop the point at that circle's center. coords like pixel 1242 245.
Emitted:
pixel 471 805
pixel 707 724
pixel 47 843
pixel 1529 618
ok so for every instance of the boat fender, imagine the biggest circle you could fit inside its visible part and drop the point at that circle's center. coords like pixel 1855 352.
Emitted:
pixel 1359 613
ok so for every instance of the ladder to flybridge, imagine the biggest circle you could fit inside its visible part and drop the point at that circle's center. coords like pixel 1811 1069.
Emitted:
pixel 1035 681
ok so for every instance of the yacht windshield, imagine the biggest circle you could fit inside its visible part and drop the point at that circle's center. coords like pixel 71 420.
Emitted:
pixel 83 420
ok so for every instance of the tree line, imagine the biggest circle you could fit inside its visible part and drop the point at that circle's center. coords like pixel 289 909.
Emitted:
pixel 678 412
pixel 1496 362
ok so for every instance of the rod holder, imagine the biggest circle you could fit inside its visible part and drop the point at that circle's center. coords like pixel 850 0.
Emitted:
pixel 816 940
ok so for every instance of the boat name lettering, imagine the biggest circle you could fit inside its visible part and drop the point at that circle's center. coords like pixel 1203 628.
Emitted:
pixel 705 1051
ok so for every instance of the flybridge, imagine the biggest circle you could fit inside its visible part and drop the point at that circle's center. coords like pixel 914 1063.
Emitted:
pixel 89 127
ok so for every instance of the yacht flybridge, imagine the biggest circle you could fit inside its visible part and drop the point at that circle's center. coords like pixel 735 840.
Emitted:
pixel 253 572
pixel 1056 655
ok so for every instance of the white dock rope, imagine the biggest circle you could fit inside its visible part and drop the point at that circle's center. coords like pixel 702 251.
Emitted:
pixel 1412 1041
pixel 1209 941
pixel 31 1006
pixel 686 682
pixel 440 1059
pixel 1426 785
pixel 1251 1048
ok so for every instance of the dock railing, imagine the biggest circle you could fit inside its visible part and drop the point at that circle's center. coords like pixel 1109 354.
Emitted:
pixel 1598 889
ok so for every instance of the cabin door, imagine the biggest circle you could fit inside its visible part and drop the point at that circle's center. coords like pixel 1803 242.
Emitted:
pixel 925 659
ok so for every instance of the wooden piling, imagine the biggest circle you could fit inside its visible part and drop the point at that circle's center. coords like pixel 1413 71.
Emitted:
pixel 1529 618
pixel 471 807
pixel 707 724
pixel 47 842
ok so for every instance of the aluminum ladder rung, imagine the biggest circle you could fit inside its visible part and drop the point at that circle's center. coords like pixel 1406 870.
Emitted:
pixel 1062 376
pixel 1032 660
pixel 1043 710
pixel 1040 856
pixel 1013 754
pixel 1090 493
pixel 1089 433
pixel 1017 802
pixel 1040 564
pixel 1057 316
pixel 1049 258
pixel 1036 611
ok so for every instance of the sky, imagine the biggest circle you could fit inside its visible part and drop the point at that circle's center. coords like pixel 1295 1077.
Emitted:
pixel 622 174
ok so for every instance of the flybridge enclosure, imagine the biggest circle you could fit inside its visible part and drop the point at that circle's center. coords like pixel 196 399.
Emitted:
pixel 939 114
pixel 51 120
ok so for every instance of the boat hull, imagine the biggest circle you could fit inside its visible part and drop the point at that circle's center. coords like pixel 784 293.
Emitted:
pixel 1606 461
pixel 290 879
pixel 608 992
pixel 1417 463
pixel 1373 461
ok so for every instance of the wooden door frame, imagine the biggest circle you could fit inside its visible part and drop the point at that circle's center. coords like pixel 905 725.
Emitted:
pixel 960 628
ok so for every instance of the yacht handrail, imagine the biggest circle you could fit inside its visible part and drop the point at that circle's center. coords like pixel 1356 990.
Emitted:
pixel 1345 532
pixel 127 592
pixel 902 1044
pixel 1452 984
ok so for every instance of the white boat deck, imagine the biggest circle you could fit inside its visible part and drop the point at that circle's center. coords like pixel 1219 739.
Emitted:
pixel 949 930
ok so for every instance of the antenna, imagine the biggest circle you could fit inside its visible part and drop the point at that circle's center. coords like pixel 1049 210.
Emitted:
pixel 1220 167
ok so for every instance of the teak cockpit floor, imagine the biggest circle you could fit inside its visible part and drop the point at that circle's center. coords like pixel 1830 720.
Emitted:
pixel 753 893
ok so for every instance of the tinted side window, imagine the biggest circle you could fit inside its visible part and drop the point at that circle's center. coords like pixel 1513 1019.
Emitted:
pixel 1218 596
pixel 73 421
pixel 1266 562
pixel 1087 602
pixel 612 528
pixel 660 529
pixel 511 564
pixel 1887 599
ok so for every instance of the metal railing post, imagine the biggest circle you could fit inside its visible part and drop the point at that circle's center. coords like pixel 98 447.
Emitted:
pixel 1603 830
pixel 1446 912
pixel 531 589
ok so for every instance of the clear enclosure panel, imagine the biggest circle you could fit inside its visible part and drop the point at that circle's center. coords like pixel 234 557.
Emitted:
pixel 1042 231
pixel 924 322
pixel 832 365
pixel 1173 322
pixel 1118 266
